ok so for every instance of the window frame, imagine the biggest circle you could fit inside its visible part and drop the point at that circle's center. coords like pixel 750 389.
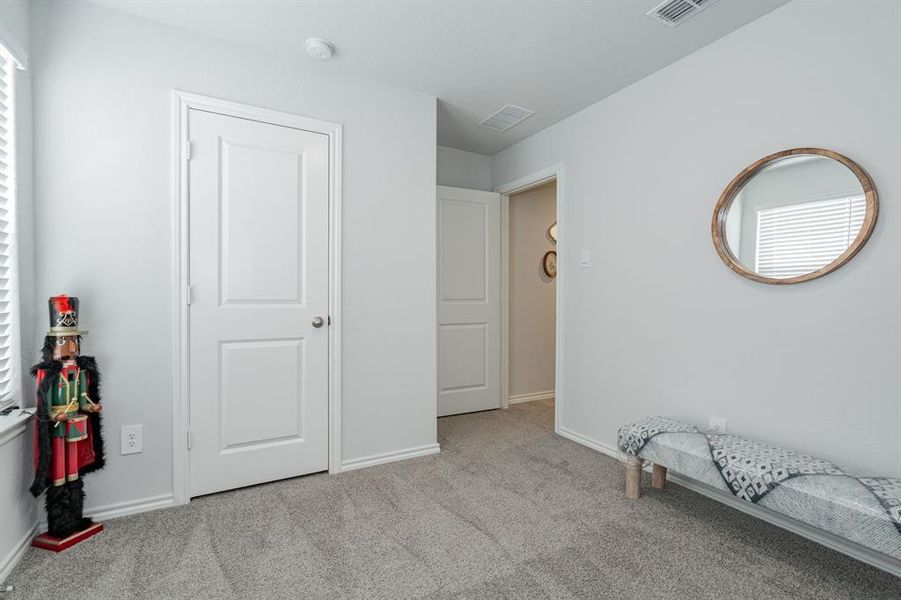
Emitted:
pixel 12 65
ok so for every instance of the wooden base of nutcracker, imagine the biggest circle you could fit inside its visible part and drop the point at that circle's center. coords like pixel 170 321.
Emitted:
pixel 55 544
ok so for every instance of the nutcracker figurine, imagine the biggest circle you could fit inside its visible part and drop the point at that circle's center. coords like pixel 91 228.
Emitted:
pixel 68 437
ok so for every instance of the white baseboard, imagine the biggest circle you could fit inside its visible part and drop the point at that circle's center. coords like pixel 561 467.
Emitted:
pixel 9 562
pixel 856 551
pixel 131 507
pixel 591 443
pixel 123 509
pixel 546 395
pixel 387 457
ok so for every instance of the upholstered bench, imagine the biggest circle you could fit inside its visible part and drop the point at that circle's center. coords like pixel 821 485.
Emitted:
pixel 864 510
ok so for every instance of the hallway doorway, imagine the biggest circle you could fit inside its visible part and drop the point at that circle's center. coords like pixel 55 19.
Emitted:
pixel 499 323
pixel 528 298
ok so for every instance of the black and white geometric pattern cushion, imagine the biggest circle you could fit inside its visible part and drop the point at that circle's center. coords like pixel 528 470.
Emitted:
pixel 888 490
pixel 752 469
pixel 633 437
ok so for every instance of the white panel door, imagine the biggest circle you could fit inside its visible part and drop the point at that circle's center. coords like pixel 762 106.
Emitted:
pixel 469 294
pixel 258 202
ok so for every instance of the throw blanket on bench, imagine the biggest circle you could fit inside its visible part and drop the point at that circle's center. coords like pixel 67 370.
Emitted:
pixel 888 491
pixel 751 470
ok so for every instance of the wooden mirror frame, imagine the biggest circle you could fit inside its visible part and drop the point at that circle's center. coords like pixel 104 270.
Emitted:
pixel 721 211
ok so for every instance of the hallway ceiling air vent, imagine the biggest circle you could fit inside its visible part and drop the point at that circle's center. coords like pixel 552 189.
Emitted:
pixel 506 117
pixel 676 12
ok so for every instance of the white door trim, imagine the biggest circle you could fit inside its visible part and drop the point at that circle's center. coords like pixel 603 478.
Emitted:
pixel 181 103
pixel 516 186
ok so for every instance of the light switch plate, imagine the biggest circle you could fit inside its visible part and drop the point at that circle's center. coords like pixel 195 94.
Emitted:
pixel 132 439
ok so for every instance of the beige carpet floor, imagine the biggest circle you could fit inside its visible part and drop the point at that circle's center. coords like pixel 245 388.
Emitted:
pixel 506 510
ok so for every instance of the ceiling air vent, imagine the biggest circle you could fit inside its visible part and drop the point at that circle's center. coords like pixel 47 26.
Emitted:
pixel 676 12
pixel 506 117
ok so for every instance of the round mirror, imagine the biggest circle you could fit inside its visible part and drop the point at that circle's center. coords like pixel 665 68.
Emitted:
pixel 794 216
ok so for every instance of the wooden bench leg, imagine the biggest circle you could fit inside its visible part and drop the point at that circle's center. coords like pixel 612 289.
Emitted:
pixel 658 477
pixel 633 478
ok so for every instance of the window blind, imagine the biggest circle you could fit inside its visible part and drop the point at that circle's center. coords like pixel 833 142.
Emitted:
pixel 796 239
pixel 8 361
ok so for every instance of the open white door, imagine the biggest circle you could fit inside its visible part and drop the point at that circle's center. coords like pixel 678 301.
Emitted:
pixel 469 295
pixel 259 205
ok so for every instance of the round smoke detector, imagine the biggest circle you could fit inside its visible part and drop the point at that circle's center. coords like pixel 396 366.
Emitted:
pixel 319 48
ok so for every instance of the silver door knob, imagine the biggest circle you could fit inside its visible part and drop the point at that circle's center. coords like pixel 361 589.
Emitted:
pixel 318 322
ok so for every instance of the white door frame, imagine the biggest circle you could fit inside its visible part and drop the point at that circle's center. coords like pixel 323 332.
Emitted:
pixel 554 172
pixel 182 102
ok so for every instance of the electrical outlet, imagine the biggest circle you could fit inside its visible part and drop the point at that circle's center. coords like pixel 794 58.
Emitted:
pixel 132 439
pixel 716 425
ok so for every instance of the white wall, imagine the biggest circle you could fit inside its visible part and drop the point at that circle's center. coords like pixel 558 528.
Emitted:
pixel 18 511
pixel 532 311
pixel 651 328
pixel 103 127
pixel 459 168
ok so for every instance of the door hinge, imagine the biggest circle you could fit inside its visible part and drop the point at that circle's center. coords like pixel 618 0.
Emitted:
pixel 187 149
pixel 190 438
pixel 189 294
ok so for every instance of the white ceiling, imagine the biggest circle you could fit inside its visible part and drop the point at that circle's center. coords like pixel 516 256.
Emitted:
pixel 552 56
